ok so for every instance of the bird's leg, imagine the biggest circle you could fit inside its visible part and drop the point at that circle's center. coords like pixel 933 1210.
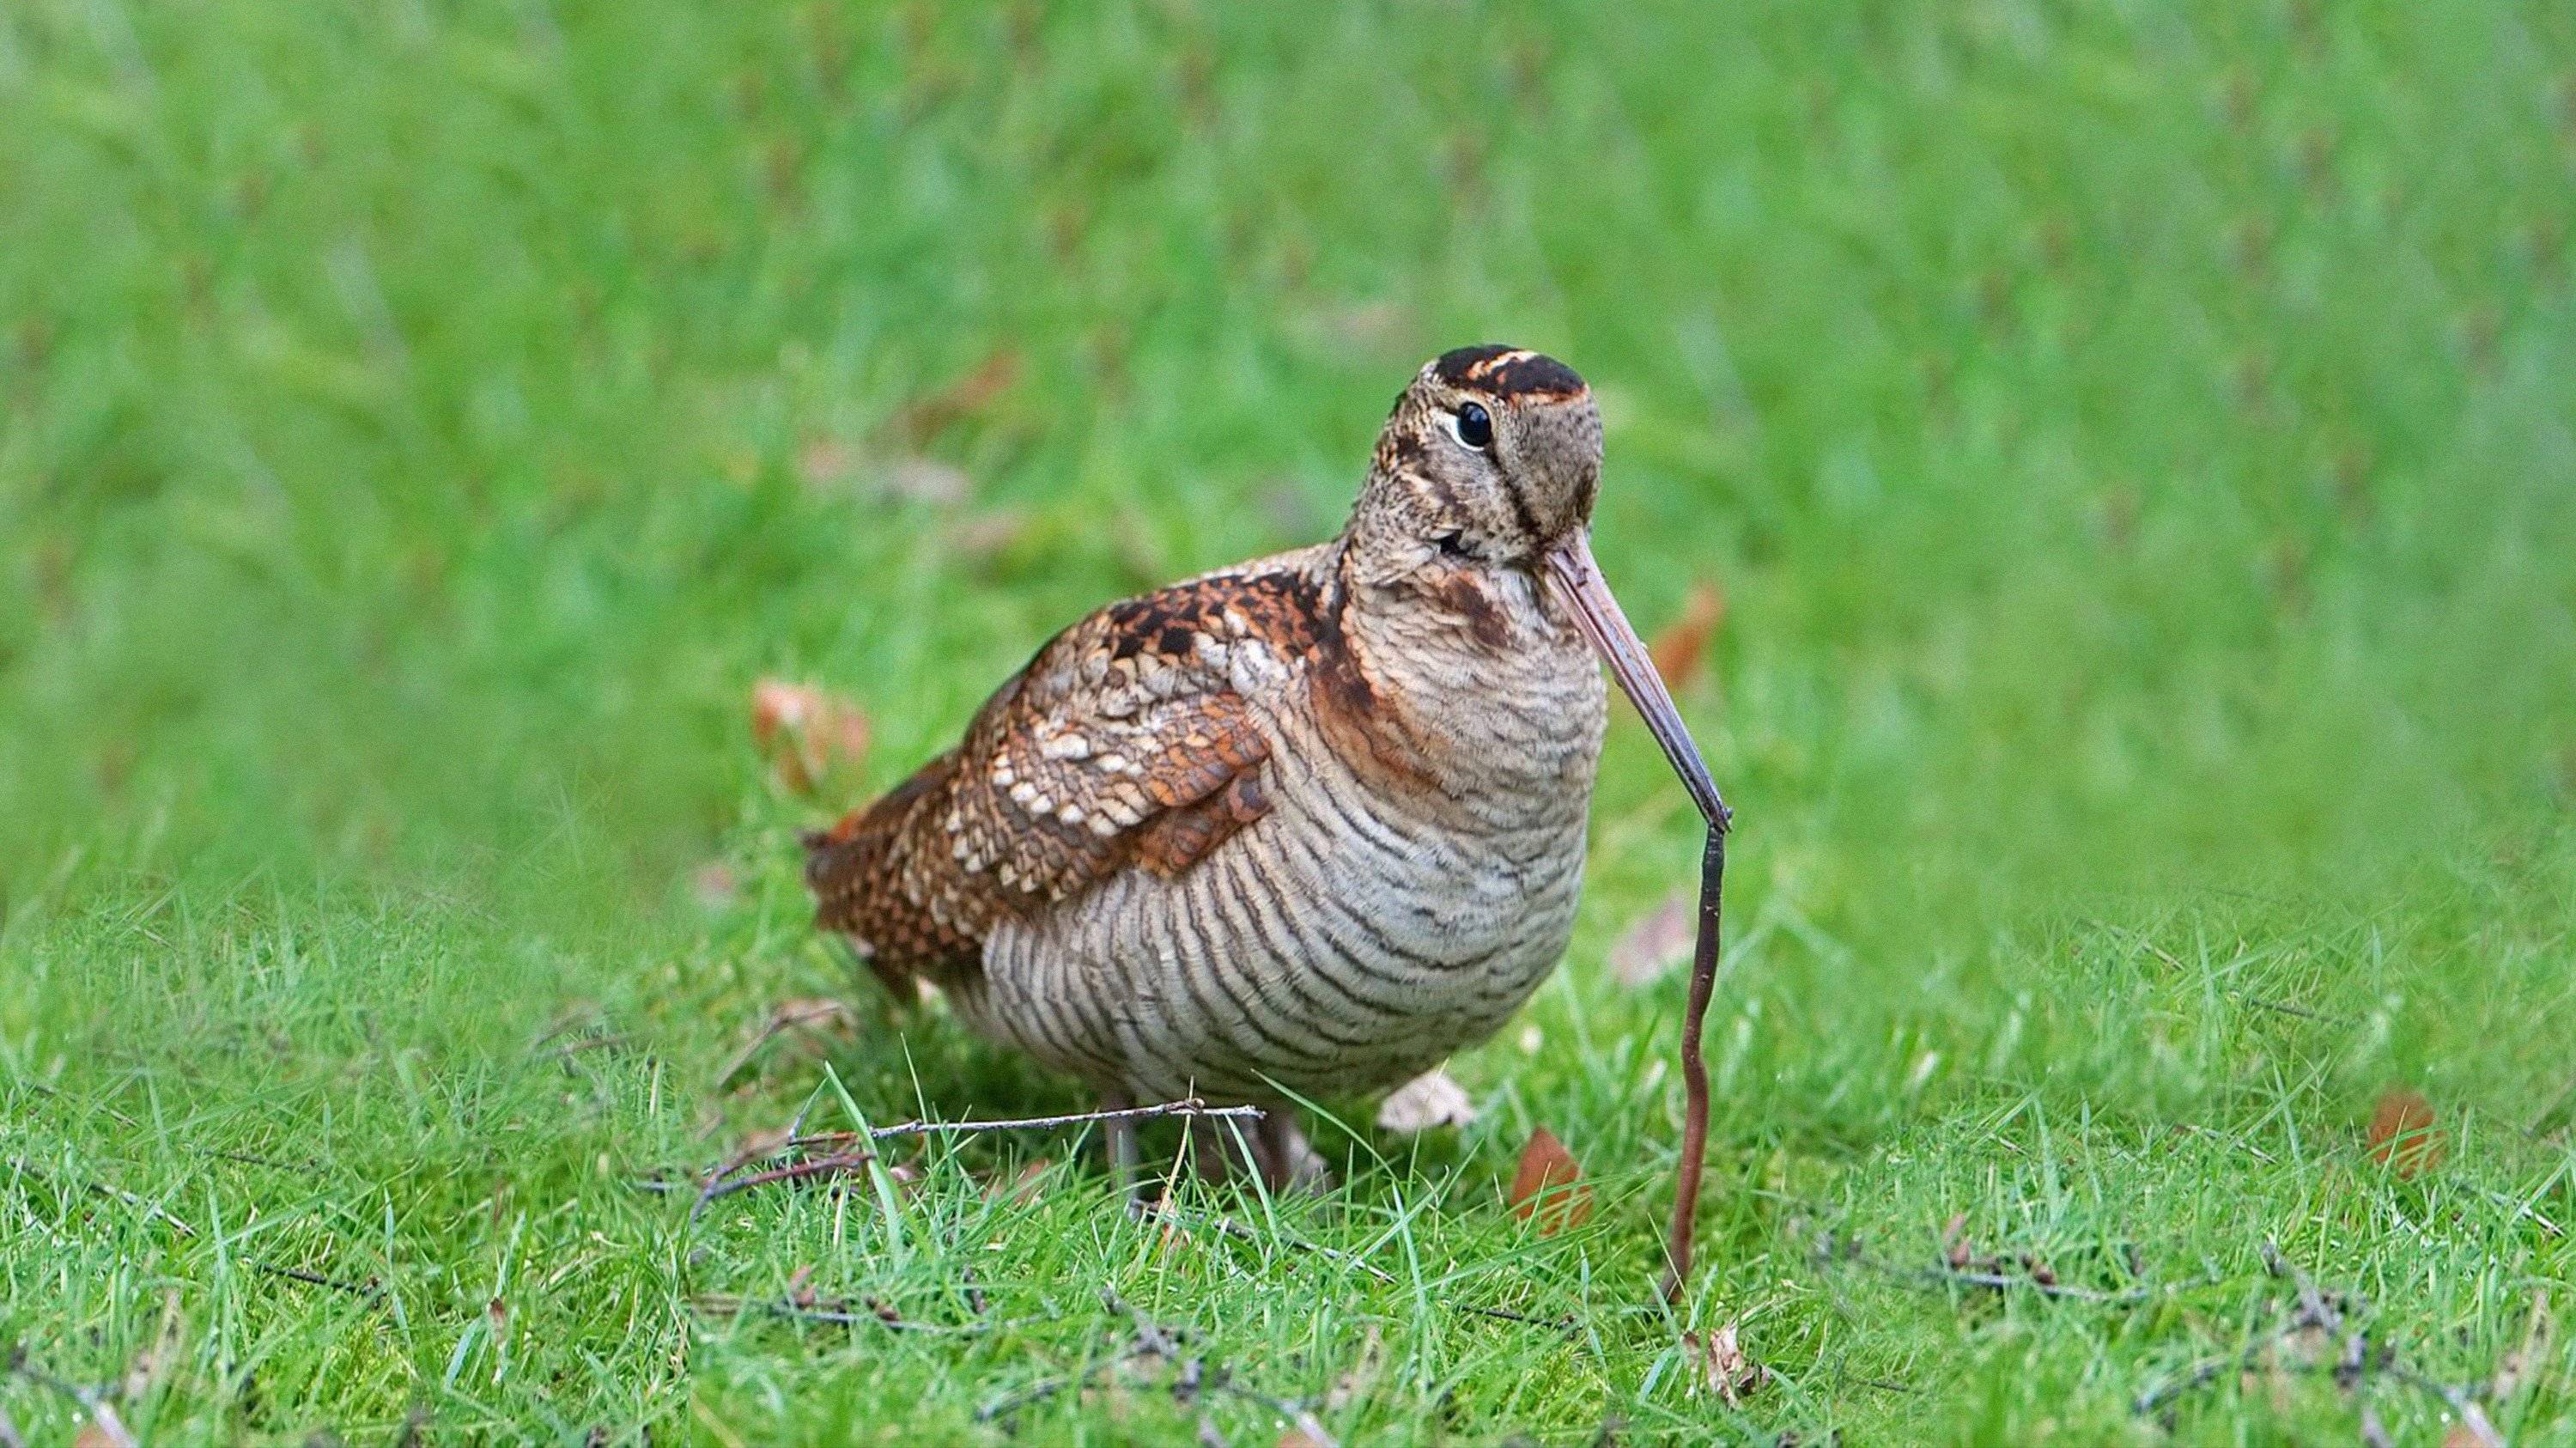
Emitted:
pixel 1212 1147
pixel 1287 1161
pixel 1121 1138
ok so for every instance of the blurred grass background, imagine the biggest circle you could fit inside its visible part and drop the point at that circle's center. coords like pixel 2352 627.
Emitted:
pixel 2134 444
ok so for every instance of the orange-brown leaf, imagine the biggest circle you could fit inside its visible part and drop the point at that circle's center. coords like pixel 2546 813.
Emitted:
pixel 926 417
pixel 1022 1188
pixel 1956 1249
pixel 2403 1136
pixel 1682 645
pixel 1549 1187
pixel 807 732
pixel 715 884
pixel 105 1430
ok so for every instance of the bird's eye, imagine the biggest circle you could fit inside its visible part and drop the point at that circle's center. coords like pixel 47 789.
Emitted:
pixel 1475 426
pixel 1451 545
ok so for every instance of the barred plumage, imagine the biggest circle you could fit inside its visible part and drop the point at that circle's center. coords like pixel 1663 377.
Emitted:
pixel 1307 824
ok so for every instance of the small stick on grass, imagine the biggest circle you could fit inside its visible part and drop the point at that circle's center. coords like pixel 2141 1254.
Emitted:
pixel 1187 1106
pixel 1992 1278
pixel 821 1166
pixel 369 1289
pixel 723 1182
pixel 2352 1367
pixel 834 1312
pixel 1505 1314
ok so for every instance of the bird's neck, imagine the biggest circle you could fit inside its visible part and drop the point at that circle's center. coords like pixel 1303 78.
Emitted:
pixel 1472 666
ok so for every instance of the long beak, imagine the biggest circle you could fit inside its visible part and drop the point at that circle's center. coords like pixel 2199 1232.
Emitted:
pixel 1578 583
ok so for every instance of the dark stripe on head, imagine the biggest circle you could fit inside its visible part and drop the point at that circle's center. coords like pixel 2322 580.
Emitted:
pixel 1501 371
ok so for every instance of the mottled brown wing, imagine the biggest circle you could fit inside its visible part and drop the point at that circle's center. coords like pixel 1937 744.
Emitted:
pixel 1122 744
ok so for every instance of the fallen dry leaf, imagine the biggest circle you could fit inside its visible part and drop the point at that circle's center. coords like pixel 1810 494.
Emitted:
pixel 1956 1249
pixel 1656 943
pixel 2403 1136
pixel 986 536
pixel 2472 1430
pixel 1682 645
pixel 929 481
pixel 1022 1188
pixel 926 417
pixel 1724 1368
pixel 1427 1101
pixel 1549 1187
pixel 806 732
pixel 104 1431
pixel 152 1364
pixel 2512 1368
pixel 825 462
pixel 1374 325
pixel 1356 1384
pixel 715 885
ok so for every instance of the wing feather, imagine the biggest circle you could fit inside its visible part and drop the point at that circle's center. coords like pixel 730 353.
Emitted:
pixel 1123 744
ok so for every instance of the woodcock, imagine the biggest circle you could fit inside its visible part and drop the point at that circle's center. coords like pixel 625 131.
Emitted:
pixel 1306 825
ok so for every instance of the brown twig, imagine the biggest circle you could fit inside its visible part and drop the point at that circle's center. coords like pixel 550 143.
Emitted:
pixel 1505 1314
pixel 723 1181
pixel 2305 1013
pixel 1990 1276
pixel 2351 1366
pixel 835 1311
pixel 821 1166
pixel 370 1289
pixel 1703 984
pixel 251 1159
pixel 580 1018
pixel 1150 1339
pixel 1045 1388
pixel 1191 1106
pixel 605 1041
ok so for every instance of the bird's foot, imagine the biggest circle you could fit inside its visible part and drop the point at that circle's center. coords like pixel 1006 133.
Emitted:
pixel 1287 1161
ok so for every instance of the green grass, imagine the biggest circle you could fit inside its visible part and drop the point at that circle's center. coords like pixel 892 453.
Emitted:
pixel 2135 442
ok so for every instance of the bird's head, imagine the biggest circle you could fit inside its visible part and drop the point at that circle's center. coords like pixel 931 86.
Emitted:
pixel 1492 455
pixel 1491 460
